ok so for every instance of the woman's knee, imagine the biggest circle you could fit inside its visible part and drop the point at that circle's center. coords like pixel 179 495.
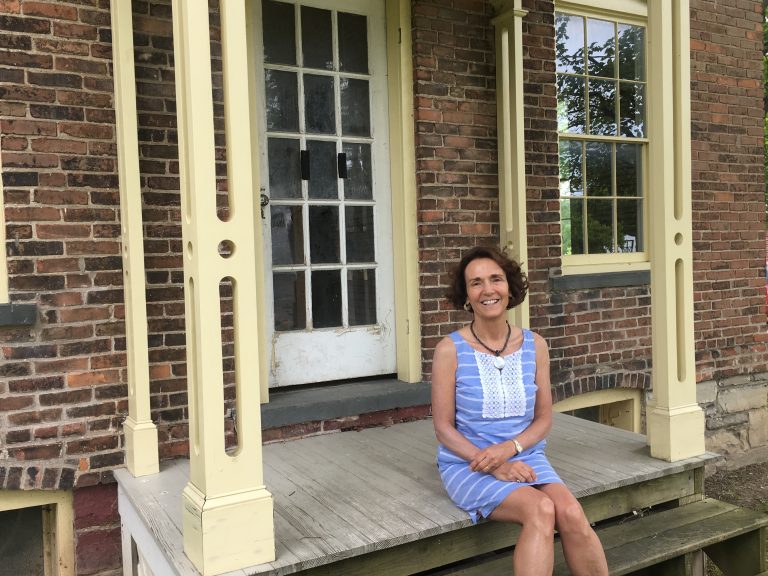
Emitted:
pixel 571 518
pixel 541 513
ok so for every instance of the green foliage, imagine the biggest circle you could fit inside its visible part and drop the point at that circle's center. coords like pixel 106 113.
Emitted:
pixel 765 101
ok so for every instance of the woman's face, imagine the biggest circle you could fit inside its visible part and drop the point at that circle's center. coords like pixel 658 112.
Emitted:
pixel 487 287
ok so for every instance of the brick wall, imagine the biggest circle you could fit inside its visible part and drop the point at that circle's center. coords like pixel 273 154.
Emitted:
pixel 729 250
pixel 599 338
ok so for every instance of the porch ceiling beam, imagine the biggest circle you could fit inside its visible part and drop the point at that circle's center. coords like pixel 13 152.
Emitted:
pixel 511 139
pixel 675 420
pixel 227 516
pixel 140 432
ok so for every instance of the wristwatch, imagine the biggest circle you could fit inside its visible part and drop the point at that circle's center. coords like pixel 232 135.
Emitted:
pixel 518 446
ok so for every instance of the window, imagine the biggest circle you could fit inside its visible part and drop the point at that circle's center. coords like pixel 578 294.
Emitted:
pixel 603 141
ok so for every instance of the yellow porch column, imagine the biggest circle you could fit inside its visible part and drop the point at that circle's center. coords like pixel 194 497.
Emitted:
pixel 141 455
pixel 227 516
pixel 511 138
pixel 675 420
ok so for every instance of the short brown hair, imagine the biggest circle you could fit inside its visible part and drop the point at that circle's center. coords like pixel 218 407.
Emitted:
pixel 518 283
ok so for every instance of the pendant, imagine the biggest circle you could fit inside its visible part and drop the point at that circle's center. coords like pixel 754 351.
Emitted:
pixel 498 362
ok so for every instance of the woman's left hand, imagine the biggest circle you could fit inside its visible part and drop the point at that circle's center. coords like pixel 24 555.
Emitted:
pixel 515 471
pixel 490 458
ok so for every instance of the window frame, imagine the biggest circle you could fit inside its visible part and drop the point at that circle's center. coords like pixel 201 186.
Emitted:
pixel 633 12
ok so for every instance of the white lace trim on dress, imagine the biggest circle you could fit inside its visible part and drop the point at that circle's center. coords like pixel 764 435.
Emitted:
pixel 503 390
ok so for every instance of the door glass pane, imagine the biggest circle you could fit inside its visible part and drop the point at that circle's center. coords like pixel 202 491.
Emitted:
pixel 572 225
pixel 359 228
pixel 287 234
pixel 570 168
pixel 282 100
pixel 569 43
pixel 598 169
pixel 279 32
pixel 631 52
pixel 326 298
pixel 602 107
pixel 571 105
pixel 323 181
pixel 358 183
pixel 355 108
pixel 324 234
pixel 600 226
pixel 629 216
pixel 353 43
pixel 629 170
pixel 632 98
pixel 361 292
pixel 290 301
pixel 316 38
pixel 601 48
pixel 284 168
pixel 319 109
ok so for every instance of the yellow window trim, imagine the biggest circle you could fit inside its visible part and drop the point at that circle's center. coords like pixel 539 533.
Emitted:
pixel 58 522
pixel 3 255
pixel 626 400
pixel 631 11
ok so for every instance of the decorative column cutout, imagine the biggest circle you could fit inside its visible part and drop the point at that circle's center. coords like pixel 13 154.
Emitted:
pixel 675 420
pixel 227 516
pixel 511 139
pixel 141 454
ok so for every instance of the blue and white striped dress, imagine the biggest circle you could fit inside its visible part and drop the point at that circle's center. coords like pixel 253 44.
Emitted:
pixel 492 406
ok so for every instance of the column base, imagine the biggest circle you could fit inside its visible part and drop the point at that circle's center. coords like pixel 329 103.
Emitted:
pixel 228 532
pixel 141 454
pixel 678 433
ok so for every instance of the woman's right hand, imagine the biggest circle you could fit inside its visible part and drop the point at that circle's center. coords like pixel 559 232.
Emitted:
pixel 515 471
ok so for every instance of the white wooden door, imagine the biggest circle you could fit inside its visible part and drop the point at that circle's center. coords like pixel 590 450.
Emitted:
pixel 325 166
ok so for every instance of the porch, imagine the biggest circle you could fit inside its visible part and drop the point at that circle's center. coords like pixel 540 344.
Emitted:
pixel 371 502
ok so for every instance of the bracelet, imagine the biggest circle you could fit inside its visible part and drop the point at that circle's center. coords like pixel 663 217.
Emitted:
pixel 518 446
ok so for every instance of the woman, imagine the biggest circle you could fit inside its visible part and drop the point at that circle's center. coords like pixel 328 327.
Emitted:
pixel 492 410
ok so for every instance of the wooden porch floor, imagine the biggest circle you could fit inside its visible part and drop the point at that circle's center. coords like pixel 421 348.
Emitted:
pixel 340 496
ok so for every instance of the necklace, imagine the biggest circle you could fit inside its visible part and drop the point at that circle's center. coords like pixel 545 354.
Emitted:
pixel 498 361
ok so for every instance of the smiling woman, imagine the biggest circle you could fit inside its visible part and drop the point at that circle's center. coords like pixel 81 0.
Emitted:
pixel 492 412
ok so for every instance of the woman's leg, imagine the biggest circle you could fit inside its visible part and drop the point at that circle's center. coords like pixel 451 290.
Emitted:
pixel 535 512
pixel 581 546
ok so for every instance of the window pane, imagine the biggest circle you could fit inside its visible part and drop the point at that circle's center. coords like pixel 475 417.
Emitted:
pixel 287 234
pixel 279 32
pixel 355 108
pixel 316 38
pixel 601 48
pixel 572 225
pixel 323 181
pixel 353 43
pixel 284 168
pixel 632 99
pixel 600 226
pixel 569 43
pixel 629 170
pixel 631 52
pixel 598 169
pixel 361 292
pixel 602 107
pixel 358 183
pixel 359 227
pixel 571 105
pixel 319 109
pixel 629 216
pixel 570 168
pixel 290 301
pixel 324 234
pixel 282 101
pixel 326 298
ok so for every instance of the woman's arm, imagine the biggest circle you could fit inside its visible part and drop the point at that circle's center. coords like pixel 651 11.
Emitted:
pixel 444 365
